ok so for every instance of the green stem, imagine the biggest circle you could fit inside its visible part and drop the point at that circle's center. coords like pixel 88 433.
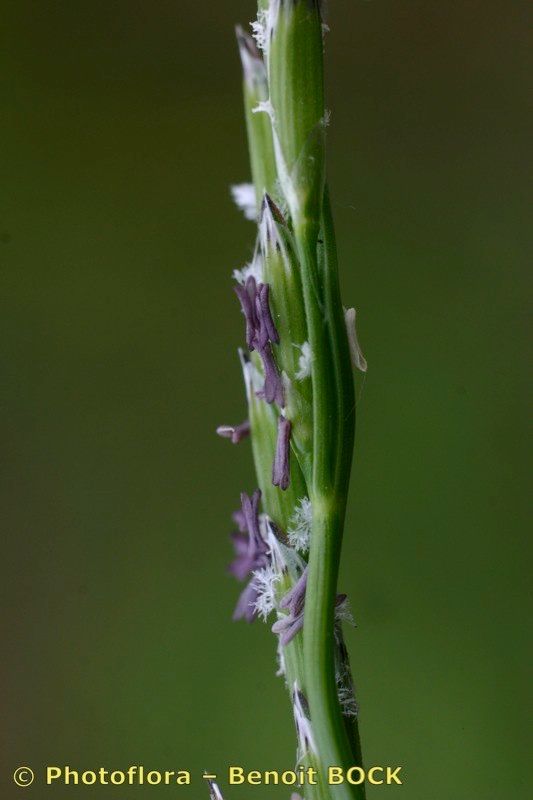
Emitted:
pixel 345 390
pixel 333 424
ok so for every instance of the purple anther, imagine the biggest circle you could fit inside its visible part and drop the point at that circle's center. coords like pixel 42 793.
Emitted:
pixel 261 333
pixel 250 509
pixel 239 520
pixel 241 565
pixel 294 601
pixel 251 553
pixel 245 608
pixel 236 433
pixel 273 388
pixel 247 297
pixel 267 328
pixel 287 628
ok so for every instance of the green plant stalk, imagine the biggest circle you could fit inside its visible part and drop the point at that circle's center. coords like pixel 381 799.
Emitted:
pixel 345 393
pixel 334 423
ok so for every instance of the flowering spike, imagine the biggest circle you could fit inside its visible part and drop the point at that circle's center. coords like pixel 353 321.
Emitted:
pixel 298 358
pixel 281 466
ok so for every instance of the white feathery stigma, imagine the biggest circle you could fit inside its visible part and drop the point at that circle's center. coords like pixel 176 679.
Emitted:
pixel 304 361
pixel 265 581
pixel 259 29
pixel 280 672
pixel 343 612
pixel 264 24
pixel 347 701
pixel 299 532
pixel 243 195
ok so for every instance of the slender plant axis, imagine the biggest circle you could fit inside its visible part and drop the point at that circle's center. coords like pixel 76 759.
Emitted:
pixel 300 350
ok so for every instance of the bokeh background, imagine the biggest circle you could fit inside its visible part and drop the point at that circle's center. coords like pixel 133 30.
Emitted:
pixel 121 131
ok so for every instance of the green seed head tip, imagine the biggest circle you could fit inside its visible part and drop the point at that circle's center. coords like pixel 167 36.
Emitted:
pixel 258 126
pixel 294 55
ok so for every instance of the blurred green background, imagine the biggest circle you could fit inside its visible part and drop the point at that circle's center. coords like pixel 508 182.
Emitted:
pixel 121 131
